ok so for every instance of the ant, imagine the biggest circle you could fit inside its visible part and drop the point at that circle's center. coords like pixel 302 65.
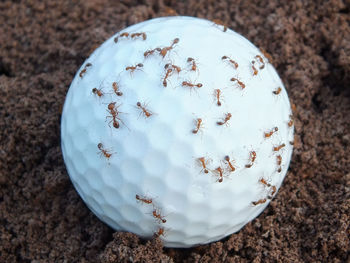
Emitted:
pixel 263 181
pixel 133 68
pixel 234 63
pixel 261 61
pixel 167 74
pixel 219 172
pixel 277 91
pixel 113 110
pixel 279 147
pixel 143 109
pixel 203 162
pixel 218 22
pixel 270 133
pixel 252 157
pixel 97 92
pixel 218 95
pixel 240 83
pixel 291 121
pixel 83 71
pixel 150 52
pixel 225 120
pixel 279 159
pixel 165 50
pixel 174 67
pixel 194 65
pixel 144 200
pixel 255 71
pixel 261 201
pixel 103 151
pixel 125 34
pixel 199 124
pixel 160 232
pixel 227 159
pixel 266 55
pixel 156 214
pixel 142 34
pixel 116 89
pixel 274 189
pixel 191 85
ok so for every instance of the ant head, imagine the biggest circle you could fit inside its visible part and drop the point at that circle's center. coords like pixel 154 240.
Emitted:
pixel 138 104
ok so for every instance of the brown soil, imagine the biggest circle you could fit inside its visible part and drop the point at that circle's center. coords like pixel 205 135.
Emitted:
pixel 41 47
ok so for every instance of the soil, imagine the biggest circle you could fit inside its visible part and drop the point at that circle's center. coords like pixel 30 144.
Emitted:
pixel 42 45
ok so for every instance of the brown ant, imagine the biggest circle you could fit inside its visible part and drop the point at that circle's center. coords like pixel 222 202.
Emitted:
pixel 277 148
pixel 203 162
pixel 174 67
pixel 116 89
pixel 218 22
pixel 219 172
pixel 143 109
pixel 125 34
pixel 218 95
pixel 113 110
pixel 159 218
pixel 167 74
pixel 165 50
pixel 277 91
pixel 261 201
pixel 279 159
pixel 234 63
pixel 227 159
pixel 270 133
pixel 193 64
pixel 97 92
pixel 103 151
pixel 144 200
pixel 83 71
pixel 133 68
pixel 142 34
pixel 274 189
pixel 263 181
pixel 191 85
pixel 261 61
pixel 150 52
pixel 255 71
pixel 291 121
pixel 240 83
pixel 291 143
pixel 199 124
pixel 266 55
pixel 160 232
pixel 252 157
pixel 225 120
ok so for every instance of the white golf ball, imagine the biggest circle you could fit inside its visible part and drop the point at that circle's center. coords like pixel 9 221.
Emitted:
pixel 177 127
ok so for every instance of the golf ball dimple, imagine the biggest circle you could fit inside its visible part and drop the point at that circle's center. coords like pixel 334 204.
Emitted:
pixel 178 128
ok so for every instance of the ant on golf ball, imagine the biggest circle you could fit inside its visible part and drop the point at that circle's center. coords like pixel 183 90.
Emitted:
pixel 203 163
pixel 218 95
pixel 159 218
pixel 103 151
pixel 270 133
pixel 116 89
pixel 144 199
pixel 225 120
pixel 142 34
pixel 227 159
pixel 143 109
pixel 113 110
pixel 240 83
pixel 231 61
pixel 261 201
pixel 218 22
pixel 199 125
pixel 192 64
pixel 279 147
pixel 252 157
pixel 125 34
pixel 277 91
pixel 133 68
pixel 97 92
pixel 191 85
pixel 82 73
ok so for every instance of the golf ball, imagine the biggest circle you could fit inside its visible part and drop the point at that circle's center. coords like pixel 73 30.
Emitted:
pixel 177 128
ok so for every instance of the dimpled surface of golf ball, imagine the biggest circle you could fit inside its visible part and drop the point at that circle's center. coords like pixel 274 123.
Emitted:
pixel 177 128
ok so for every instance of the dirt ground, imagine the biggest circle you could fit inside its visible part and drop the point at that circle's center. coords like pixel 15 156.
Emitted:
pixel 42 45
